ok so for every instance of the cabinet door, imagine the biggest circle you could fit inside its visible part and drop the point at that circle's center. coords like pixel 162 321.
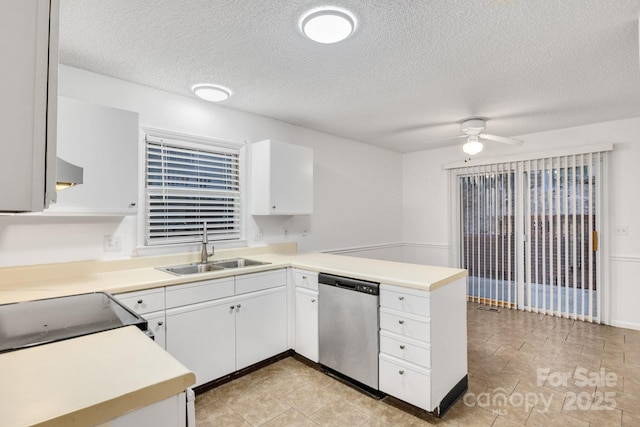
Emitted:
pixel 261 326
pixel 291 179
pixel 306 343
pixel 156 324
pixel 202 337
pixel 104 142
pixel 28 92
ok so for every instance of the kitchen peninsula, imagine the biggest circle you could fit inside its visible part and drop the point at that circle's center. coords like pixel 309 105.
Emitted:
pixel 432 384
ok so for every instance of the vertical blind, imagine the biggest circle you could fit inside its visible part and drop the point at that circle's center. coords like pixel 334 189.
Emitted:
pixel 187 185
pixel 528 234
pixel 488 233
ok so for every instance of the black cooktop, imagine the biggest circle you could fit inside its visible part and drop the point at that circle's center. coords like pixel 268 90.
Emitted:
pixel 31 323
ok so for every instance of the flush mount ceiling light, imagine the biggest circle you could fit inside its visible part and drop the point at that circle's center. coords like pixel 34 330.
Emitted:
pixel 328 25
pixel 473 146
pixel 209 92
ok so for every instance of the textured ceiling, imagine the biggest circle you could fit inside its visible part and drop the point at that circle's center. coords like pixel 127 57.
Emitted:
pixel 409 74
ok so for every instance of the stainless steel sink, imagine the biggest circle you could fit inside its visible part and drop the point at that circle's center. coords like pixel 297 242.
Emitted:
pixel 195 268
pixel 237 263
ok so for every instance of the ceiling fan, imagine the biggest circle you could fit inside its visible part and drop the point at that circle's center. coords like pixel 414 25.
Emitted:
pixel 472 130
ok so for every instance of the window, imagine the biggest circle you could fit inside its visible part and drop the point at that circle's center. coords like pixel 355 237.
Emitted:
pixel 190 181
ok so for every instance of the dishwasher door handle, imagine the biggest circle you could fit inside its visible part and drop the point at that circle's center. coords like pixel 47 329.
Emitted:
pixel 346 286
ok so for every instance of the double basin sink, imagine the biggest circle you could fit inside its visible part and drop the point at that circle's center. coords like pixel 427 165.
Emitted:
pixel 205 267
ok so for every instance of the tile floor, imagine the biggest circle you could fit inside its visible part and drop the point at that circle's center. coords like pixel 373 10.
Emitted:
pixel 524 369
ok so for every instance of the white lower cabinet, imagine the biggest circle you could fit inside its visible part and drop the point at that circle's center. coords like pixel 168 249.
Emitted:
pixel 261 326
pixel 202 337
pixel 423 344
pixel 306 324
pixel 227 332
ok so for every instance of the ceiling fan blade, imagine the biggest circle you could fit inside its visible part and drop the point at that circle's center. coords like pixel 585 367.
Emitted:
pixel 446 142
pixel 504 140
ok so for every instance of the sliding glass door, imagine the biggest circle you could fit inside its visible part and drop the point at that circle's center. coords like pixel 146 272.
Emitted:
pixel 529 234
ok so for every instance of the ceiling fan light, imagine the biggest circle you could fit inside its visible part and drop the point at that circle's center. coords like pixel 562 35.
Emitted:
pixel 473 146
pixel 209 92
pixel 327 25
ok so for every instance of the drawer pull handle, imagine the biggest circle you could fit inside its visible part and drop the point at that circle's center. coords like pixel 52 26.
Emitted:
pixel 401 298
pixel 139 301
pixel 402 347
pixel 313 300
pixel 401 322
pixel 401 372
pixel 304 277
pixel 160 323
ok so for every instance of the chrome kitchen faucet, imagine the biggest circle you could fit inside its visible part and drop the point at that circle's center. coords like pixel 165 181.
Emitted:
pixel 204 254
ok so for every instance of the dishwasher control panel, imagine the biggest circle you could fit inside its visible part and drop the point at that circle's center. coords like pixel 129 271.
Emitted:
pixel 356 285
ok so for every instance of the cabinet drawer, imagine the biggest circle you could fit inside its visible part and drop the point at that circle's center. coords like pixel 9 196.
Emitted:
pixel 404 301
pixel 193 293
pixel 405 349
pixel 143 301
pixel 405 382
pixel 407 325
pixel 305 279
pixel 259 281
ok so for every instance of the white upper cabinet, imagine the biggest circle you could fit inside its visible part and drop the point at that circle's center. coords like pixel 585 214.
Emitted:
pixel 28 92
pixel 104 142
pixel 281 179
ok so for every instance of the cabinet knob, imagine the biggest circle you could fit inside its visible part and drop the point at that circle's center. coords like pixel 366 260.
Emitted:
pixel 401 298
pixel 132 204
pixel 139 301
pixel 160 323
pixel 401 372
pixel 402 347
pixel 401 322
pixel 238 306
pixel 232 307
pixel 304 277
pixel 313 300
pixel 273 207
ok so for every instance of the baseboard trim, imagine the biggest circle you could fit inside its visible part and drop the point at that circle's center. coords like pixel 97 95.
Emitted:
pixel 625 325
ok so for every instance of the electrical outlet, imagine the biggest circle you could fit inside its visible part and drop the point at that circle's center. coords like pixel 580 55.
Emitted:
pixel 112 243
pixel 257 234
pixel 305 230
pixel 622 230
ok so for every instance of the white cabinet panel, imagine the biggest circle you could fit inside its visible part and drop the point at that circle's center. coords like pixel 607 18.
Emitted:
pixel 143 301
pixel 104 142
pixel 281 179
pixel 202 337
pixel 306 325
pixel 259 281
pixel 305 279
pixel 405 381
pixel 156 324
pixel 261 326
pixel 28 98
pixel 192 293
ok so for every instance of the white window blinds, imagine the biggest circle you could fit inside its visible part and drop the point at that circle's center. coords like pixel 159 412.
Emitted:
pixel 186 185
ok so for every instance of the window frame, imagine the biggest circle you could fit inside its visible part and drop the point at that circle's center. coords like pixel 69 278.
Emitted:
pixel 195 142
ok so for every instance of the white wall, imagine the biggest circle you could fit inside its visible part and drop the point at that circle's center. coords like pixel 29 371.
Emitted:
pixel 426 222
pixel 357 187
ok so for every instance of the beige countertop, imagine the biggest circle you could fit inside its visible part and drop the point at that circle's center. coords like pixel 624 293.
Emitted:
pixel 29 283
pixel 71 382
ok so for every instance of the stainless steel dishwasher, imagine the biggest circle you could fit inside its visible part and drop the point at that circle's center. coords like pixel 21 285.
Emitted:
pixel 348 327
